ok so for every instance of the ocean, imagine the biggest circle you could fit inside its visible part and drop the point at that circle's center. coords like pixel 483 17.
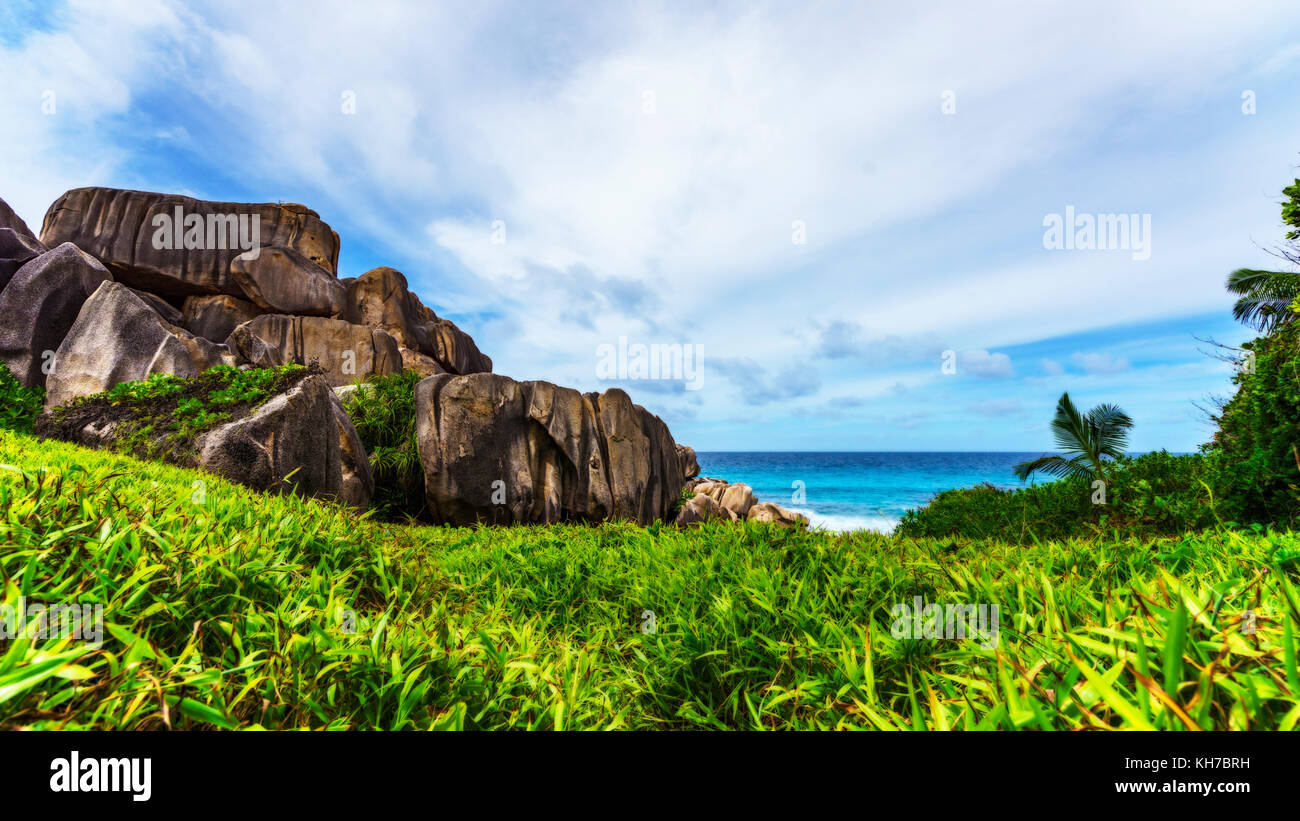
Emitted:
pixel 854 491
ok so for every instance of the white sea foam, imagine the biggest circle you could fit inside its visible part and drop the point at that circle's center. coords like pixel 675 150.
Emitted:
pixel 846 524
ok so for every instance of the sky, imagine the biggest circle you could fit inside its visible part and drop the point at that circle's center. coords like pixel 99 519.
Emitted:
pixel 842 210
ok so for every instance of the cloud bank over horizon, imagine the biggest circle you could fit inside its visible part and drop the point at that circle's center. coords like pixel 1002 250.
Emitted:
pixel 842 207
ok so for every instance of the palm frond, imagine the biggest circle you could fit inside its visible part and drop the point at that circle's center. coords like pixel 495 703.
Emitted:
pixel 1057 466
pixel 1110 426
pixel 1071 430
pixel 1265 297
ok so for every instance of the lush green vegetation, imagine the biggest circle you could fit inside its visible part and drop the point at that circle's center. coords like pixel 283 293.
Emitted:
pixel 1259 430
pixel 19 406
pixel 1157 494
pixel 234 609
pixel 162 416
pixel 383 410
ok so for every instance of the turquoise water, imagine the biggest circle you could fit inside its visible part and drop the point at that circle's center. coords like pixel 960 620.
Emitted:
pixel 852 491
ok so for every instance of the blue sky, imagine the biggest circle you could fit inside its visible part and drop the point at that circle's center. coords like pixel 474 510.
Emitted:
pixel 652 164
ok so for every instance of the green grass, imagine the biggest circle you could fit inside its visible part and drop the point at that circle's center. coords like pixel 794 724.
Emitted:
pixel 227 608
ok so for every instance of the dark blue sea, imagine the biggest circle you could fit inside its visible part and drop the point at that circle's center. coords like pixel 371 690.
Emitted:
pixel 853 491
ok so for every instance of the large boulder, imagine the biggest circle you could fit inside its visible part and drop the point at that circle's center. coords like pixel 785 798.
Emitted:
pixel 454 349
pixel 175 246
pixel 769 513
pixel 18 245
pixel 251 348
pixel 283 281
pixel 420 363
pixel 10 219
pixel 165 309
pixel 356 482
pixel 289 444
pixel 500 451
pixel 701 508
pixel 380 298
pixel 117 337
pixel 690 464
pixel 40 304
pixel 215 316
pixel 738 498
pixel 344 351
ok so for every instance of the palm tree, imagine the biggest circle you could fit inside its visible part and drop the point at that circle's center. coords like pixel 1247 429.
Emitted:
pixel 1264 298
pixel 1085 439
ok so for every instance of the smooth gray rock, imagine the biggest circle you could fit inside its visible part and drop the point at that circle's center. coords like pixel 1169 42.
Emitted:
pixel 295 432
pixel 169 312
pixel 39 306
pixel 16 250
pixel 283 281
pixel 117 337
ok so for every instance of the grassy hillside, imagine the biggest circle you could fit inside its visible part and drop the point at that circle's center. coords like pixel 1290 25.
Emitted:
pixel 227 608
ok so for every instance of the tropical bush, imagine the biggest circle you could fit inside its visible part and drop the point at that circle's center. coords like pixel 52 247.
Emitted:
pixel 19 405
pixel 383 410
pixel 1157 494
pixel 1259 430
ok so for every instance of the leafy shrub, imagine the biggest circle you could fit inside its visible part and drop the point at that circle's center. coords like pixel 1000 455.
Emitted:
pixel 19 406
pixel 1155 494
pixel 1259 430
pixel 383 410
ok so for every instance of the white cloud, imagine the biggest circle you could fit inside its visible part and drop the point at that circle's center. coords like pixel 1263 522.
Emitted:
pixel 1100 363
pixel 985 365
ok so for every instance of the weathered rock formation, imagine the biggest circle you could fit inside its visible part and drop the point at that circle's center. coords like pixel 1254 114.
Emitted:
pixel 18 245
pixel 690 464
pixel 213 317
pixel 500 451
pixel 772 514
pixel 346 352
pixel 721 500
pixel 290 444
pixel 39 306
pixel 118 337
pixel 175 246
pixel 283 281
pixel 124 284
pixel 356 482
pixel 298 441
pixel 381 299
pixel 701 508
